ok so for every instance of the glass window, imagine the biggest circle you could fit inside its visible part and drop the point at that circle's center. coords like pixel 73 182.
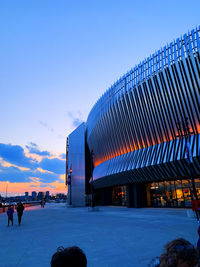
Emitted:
pixel 187 192
pixel 119 196
pixel 173 193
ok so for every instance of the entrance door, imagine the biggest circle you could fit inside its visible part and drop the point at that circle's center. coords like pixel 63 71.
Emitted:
pixel 119 196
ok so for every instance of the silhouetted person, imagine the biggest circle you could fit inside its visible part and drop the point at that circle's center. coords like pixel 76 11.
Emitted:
pixel 179 253
pixel 69 257
pixel 20 209
pixel 10 212
pixel 196 207
pixel 198 242
pixel 42 203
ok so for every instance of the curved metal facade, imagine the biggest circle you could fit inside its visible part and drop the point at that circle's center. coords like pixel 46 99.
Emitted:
pixel 132 128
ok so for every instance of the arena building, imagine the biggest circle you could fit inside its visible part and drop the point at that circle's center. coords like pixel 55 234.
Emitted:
pixel 144 134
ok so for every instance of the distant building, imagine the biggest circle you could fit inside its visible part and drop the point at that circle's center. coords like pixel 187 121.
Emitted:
pixel 47 195
pixel 34 195
pixel 61 196
pixel 26 194
pixel 40 195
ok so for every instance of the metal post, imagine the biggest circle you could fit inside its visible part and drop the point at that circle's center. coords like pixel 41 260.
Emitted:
pixel 187 129
pixel 66 171
pixel 92 181
pixel 6 189
pixel 70 183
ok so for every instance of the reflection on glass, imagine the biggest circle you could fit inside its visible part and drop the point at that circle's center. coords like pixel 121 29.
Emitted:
pixel 173 193
pixel 119 197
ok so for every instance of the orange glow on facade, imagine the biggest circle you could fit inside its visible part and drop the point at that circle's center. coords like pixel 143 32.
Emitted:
pixel 198 127
pixel 121 151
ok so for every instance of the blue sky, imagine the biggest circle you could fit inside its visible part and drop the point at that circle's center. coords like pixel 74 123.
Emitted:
pixel 58 58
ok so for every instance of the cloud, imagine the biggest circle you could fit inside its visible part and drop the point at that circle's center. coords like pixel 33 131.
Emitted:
pixel 33 149
pixel 63 156
pixel 43 185
pixel 7 164
pixel 33 144
pixel 13 174
pixel 15 154
pixel 76 120
pixel 62 177
pixel 18 188
pixel 44 124
pixel 43 171
pixel 18 167
pixel 53 165
pixel 51 129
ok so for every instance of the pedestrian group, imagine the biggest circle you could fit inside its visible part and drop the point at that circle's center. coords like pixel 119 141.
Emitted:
pixel 10 212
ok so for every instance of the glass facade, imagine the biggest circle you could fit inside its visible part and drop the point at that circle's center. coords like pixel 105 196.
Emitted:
pixel 136 119
pixel 174 193
pixel 146 128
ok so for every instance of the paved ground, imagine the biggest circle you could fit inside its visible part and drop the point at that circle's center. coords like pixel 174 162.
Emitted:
pixel 113 236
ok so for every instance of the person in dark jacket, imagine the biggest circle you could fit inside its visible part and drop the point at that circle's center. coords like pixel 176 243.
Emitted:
pixel 179 253
pixel 69 257
pixel 20 209
pixel 42 203
pixel 198 242
pixel 10 212
pixel 196 207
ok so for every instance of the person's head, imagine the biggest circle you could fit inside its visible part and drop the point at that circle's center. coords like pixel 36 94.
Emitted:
pixel 179 253
pixel 69 257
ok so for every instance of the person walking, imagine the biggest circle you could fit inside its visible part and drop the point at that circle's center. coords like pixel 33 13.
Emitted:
pixel 42 203
pixel 198 242
pixel 196 207
pixel 20 210
pixel 10 212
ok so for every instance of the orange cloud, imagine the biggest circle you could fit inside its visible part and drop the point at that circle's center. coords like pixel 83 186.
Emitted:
pixel 39 158
pixel 59 187
pixel 7 164
pixel 62 177
pixel 32 156
pixel 43 171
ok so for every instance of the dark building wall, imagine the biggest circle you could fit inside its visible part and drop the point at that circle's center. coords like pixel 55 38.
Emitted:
pixel 105 196
pixel 136 196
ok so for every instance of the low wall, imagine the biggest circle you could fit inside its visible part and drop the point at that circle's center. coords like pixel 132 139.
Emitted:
pixel 4 209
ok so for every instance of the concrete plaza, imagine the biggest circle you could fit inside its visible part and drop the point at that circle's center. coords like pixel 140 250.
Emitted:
pixel 112 236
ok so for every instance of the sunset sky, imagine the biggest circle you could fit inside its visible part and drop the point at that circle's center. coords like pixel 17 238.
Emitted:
pixel 57 58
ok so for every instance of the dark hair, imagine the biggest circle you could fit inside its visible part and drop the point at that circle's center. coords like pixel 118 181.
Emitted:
pixel 177 252
pixel 69 257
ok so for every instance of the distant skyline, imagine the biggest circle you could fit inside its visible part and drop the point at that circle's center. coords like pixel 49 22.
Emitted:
pixel 57 59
